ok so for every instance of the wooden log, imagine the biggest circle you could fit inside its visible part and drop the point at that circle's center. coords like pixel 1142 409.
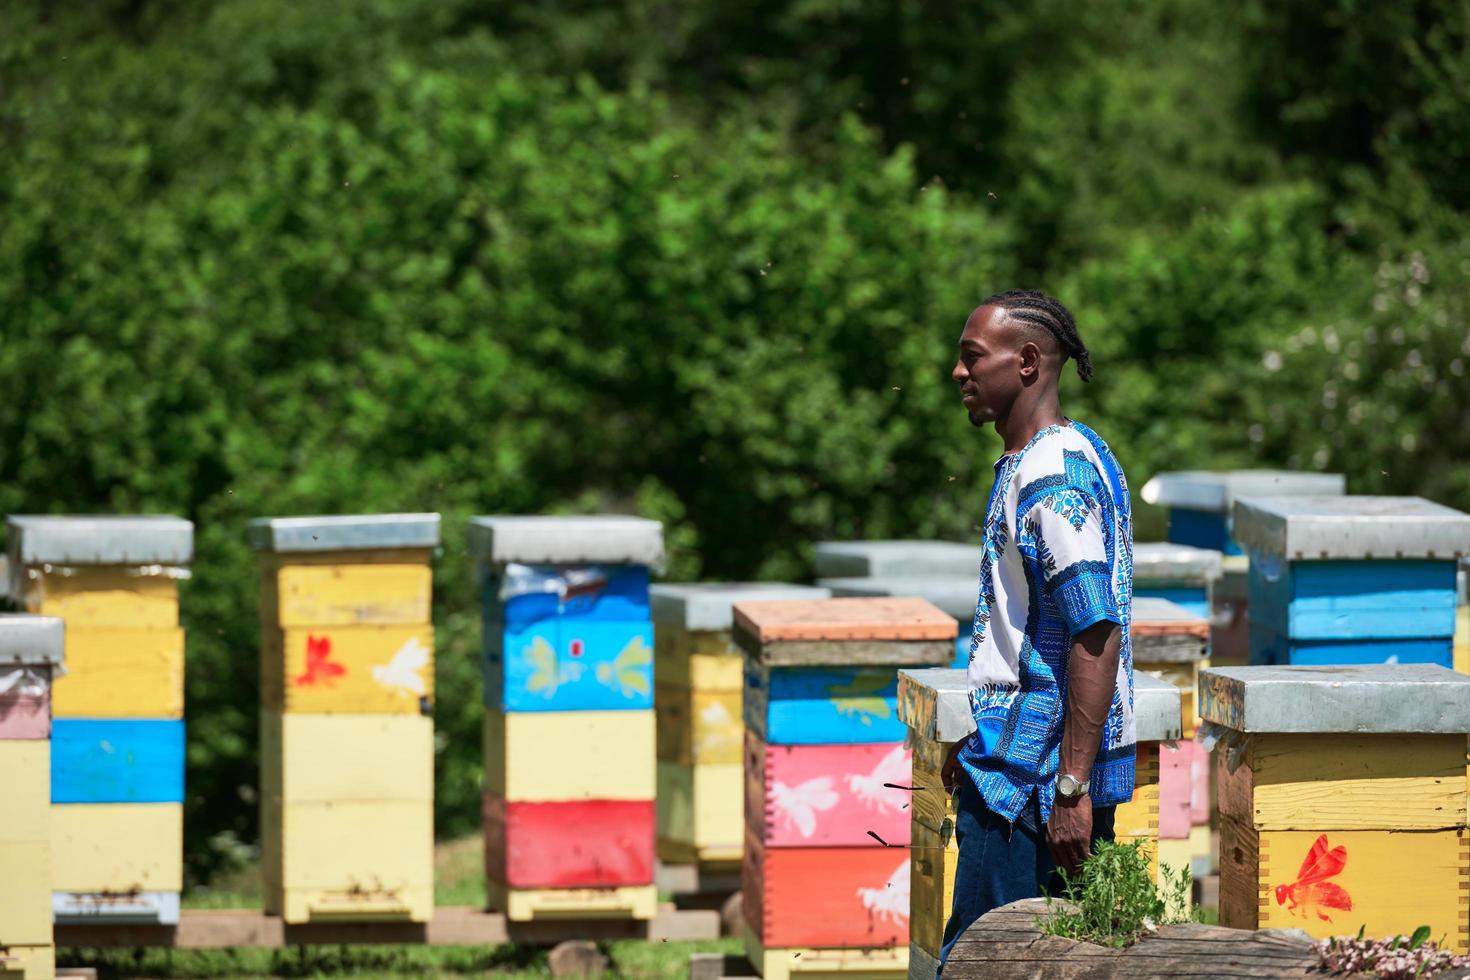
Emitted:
pixel 1009 943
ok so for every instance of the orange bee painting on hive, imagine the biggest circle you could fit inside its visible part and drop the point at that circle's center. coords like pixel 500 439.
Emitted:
pixel 320 667
pixel 1312 891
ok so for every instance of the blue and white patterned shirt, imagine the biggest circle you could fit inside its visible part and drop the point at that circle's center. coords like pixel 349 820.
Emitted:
pixel 1057 557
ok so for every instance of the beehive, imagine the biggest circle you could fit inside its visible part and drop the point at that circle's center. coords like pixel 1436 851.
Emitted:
pixel 826 874
pixel 1180 573
pixel 117 760
pixel 1171 643
pixel 1351 580
pixel 701 730
pixel 568 664
pixel 1342 798
pixel 935 705
pixel 955 594
pixel 1201 502
pixel 897 559
pixel 346 716
pixel 31 650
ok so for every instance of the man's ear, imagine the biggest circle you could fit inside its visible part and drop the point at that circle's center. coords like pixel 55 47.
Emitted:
pixel 1030 362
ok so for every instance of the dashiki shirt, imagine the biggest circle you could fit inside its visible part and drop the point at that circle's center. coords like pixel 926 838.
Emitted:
pixel 1057 557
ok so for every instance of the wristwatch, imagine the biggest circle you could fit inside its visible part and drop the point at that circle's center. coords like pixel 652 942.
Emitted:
pixel 1071 787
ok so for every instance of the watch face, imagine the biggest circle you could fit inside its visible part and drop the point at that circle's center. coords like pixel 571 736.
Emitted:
pixel 1067 786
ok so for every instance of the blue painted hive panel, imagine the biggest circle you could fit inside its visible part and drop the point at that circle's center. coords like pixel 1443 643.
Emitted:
pixel 1201 528
pixel 1353 600
pixel 962 647
pixel 822 705
pixel 562 664
pixel 1196 600
pixel 614 592
pixel 1269 648
pixel 124 760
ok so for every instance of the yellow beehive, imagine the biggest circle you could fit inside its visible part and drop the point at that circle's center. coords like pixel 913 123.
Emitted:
pixel 936 703
pixel 105 597
pixel 347 741
pixel 1462 640
pixel 117 847
pixel 28 962
pixel 699 681
pixel 1354 815
pixel 120 672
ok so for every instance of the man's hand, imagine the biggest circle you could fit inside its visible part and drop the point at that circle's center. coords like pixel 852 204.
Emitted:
pixel 952 770
pixel 1069 832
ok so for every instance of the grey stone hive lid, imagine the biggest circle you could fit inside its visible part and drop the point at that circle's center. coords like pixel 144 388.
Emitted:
pixel 875 559
pixel 706 606
pixel 1165 563
pixel 1306 528
pixel 1216 490
pixel 27 639
pixel 99 540
pixel 1368 699
pixel 955 594
pixel 610 539
pixel 353 532
pixel 935 702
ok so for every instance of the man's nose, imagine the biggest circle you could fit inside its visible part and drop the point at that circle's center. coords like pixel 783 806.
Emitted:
pixel 959 373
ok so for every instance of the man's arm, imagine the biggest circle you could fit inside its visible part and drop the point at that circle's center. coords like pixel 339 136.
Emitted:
pixel 1092 671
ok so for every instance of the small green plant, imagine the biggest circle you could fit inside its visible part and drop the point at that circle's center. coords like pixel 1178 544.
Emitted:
pixel 1112 899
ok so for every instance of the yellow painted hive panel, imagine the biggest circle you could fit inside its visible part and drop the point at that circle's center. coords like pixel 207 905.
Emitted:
pixel 348 593
pixel 296 905
pixel 933 862
pixel 116 672
pixel 29 963
pixel 1139 817
pixel 1462 640
pixel 883 963
pixel 702 807
pixel 326 758
pixel 370 848
pixel 697 727
pixel 529 904
pixel 349 670
pixel 105 596
pixel 25 806
pixel 117 847
pixel 544 756
pixel 25 898
pixel 703 661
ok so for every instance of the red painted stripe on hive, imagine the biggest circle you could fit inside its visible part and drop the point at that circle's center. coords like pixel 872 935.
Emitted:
pixel 827 896
pixel 827 795
pixel 578 844
pixel 877 618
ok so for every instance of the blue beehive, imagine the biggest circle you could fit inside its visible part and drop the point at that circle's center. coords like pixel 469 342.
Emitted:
pixel 1351 580
pixel 1183 574
pixel 1200 501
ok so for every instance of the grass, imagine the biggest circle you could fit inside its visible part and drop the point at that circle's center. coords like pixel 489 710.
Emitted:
pixel 1113 900
pixel 458 880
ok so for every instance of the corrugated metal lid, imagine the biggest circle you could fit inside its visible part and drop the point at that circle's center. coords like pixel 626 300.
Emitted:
pixel 955 594
pixel 707 606
pixel 352 532
pixel 1370 699
pixel 27 639
pixel 873 559
pixel 1306 528
pixel 1216 490
pixel 99 540
pixel 610 539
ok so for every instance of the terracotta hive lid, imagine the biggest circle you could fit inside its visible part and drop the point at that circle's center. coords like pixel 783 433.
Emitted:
pixel 877 630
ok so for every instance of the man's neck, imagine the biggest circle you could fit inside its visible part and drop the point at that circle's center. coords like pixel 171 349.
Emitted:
pixel 1021 425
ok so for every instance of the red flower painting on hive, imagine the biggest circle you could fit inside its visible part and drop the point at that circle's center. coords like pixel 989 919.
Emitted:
pixel 320 667
pixel 1312 892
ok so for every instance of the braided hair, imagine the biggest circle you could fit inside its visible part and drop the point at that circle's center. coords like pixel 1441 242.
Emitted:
pixel 1040 310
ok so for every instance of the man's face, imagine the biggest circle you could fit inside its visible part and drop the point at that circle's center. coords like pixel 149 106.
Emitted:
pixel 989 367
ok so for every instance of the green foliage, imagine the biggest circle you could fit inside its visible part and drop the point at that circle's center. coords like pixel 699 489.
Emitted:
pixel 705 262
pixel 1112 900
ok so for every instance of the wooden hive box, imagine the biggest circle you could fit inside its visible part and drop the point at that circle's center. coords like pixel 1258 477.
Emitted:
pixel 117 742
pixel 1351 580
pixel 1181 573
pixel 568 665
pixel 826 875
pixel 955 594
pixel 346 727
pixel 935 705
pixel 31 649
pixel 1201 502
pixel 701 731
pixel 1342 798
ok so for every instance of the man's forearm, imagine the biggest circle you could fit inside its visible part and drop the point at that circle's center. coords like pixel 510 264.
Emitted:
pixel 1092 675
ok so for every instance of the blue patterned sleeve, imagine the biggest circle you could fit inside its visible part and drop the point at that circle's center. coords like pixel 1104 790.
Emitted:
pixel 1065 539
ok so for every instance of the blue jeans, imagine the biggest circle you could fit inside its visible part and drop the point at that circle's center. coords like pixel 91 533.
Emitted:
pixel 1001 863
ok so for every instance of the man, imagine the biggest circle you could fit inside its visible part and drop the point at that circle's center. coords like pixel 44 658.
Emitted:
pixel 1050 672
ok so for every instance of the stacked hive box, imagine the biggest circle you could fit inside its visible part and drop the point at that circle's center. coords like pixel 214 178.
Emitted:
pixel 701 730
pixel 826 875
pixel 1462 627
pixel 935 705
pixel 117 743
pixel 1342 798
pixel 30 652
pixel 1181 573
pixel 569 723
pixel 1172 644
pixel 346 726
pixel 945 573
pixel 1351 580
pixel 1200 507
